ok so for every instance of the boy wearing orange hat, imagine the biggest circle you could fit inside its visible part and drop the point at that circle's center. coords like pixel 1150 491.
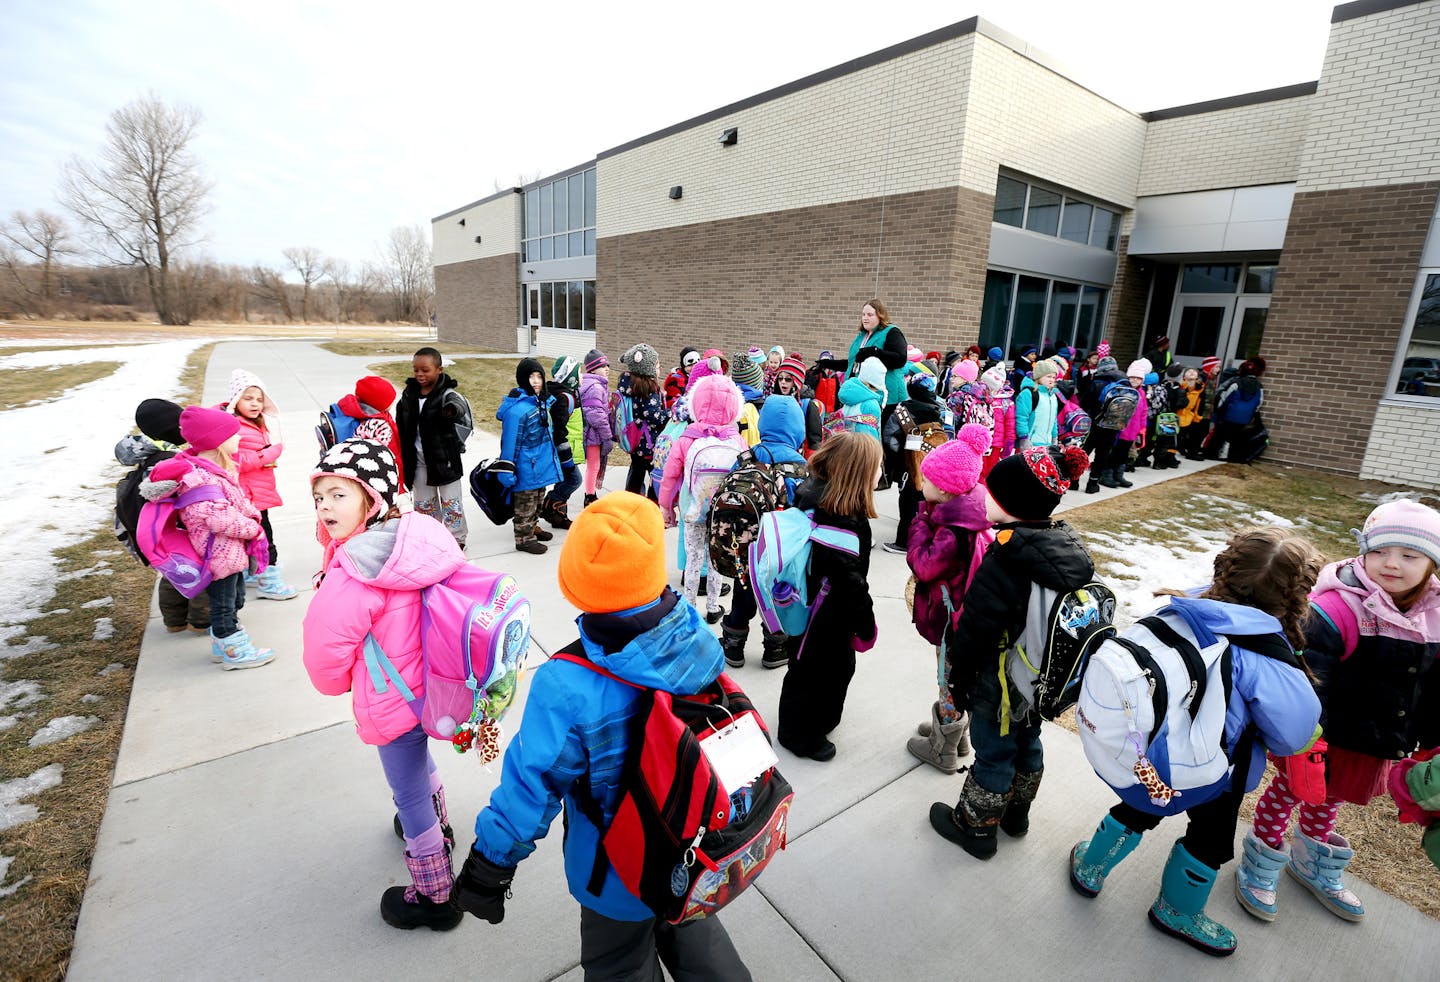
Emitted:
pixel 574 739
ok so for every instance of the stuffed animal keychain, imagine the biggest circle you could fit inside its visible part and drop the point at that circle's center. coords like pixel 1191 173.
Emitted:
pixel 1149 778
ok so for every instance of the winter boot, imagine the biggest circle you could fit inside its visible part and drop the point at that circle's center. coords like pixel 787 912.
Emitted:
pixel 1015 821
pixel 543 535
pixel 554 513
pixel 426 903
pixel 590 499
pixel 1180 909
pixel 732 643
pixel 273 585
pixel 1319 865
pixel 973 823
pixel 1106 478
pixel 940 746
pixel 217 650
pixel 1092 486
pixel 237 651
pixel 1121 481
pixel 437 801
pixel 533 546
pixel 776 654
pixel 1092 860
pixel 1258 877
pixel 251 580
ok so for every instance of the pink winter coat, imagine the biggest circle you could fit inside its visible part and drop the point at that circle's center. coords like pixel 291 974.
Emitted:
pixel 234 521
pixel 715 404
pixel 1135 429
pixel 372 587
pixel 946 542
pixel 255 461
pixel 1002 439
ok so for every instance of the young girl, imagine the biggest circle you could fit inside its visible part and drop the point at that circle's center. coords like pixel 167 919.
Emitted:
pixel 862 398
pixel 1002 411
pixel 527 441
pixel 1029 548
pixel 641 386
pixel 841 491
pixel 693 470
pixel 375 563
pixel 595 411
pixel 947 536
pixel 1258 600
pixel 228 527
pixel 1037 408
pixel 790 381
pixel 255 461
pixel 1372 638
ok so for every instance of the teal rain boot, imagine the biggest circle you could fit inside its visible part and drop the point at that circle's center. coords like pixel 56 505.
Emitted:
pixel 1319 865
pixel 1180 909
pixel 1258 877
pixel 1092 860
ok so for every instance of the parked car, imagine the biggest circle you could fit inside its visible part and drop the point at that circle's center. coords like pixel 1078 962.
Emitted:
pixel 1415 373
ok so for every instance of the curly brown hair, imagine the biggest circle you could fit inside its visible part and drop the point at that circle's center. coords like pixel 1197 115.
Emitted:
pixel 1270 569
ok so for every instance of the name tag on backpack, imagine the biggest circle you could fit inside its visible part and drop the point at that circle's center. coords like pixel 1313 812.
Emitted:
pixel 914 442
pixel 738 752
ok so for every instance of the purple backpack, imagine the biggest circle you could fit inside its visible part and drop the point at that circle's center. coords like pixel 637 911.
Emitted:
pixel 167 546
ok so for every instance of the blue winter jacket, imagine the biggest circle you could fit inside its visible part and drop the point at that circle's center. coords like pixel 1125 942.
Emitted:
pixel 1277 697
pixel 577 724
pixel 782 434
pixel 525 438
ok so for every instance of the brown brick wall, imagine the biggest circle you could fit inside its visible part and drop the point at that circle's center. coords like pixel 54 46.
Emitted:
pixel 478 302
pixel 1126 320
pixel 799 277
pixel 1346 274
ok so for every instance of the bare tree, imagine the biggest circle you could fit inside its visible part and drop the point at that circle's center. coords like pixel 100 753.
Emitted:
pixel 144 195
pixel 268 285
pixel 309 265
pixel 44 238
pixel 407 274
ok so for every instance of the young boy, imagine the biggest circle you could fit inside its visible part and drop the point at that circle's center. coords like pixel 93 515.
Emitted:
pixel 435 421
pixel 574 739
pixel 567 431
pixel 527 442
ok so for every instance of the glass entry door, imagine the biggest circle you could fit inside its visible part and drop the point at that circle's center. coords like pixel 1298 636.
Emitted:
pixel 1199 328
pixel 532 313
pixel 1247 329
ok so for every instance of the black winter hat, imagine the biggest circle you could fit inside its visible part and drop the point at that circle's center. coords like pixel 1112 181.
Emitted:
pixel 1174 370
pixel 1029 484
pixel 159 419
pixel 525 369
pixel 370 465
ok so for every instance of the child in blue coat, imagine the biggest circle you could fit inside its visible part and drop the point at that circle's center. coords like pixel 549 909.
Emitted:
pixel 527 444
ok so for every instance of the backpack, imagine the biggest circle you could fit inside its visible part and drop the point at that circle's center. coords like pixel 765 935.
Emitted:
pixel 969 406
pixel 335 427
pixel 779 564
pixel 1152 712
pixel 1117 404
pixel 749 424
pixel 628 434
pixel 709 459
pixel 1074 428
pixel 1167 424
pixel 664 443
pixel 474 635
pixel 129 503
pixel 493 497
pixel 682 841
pixel 166 546
pixel 752 489
pixel 1240 407
pixel 920 439
pixel 1044 666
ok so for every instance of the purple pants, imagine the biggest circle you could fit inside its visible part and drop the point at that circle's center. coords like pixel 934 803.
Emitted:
pixel 410 772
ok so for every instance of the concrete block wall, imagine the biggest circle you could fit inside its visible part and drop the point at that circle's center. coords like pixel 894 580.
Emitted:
pixel 1247 145
pixel 1375 118
pixel 478 302
pixel 1402 446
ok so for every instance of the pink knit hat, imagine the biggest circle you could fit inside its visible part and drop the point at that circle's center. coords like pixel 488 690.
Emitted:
pixel 1402 522
pixel 954 467
pixel 206 429
pixel 715 400
pixel 1103 349
pixel 968 370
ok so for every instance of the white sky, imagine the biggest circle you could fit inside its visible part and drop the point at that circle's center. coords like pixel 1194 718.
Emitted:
pixel 327 124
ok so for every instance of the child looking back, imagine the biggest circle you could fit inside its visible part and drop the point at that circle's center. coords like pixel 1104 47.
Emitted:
pixel 255 462
pixel 595 411
pixel 435 421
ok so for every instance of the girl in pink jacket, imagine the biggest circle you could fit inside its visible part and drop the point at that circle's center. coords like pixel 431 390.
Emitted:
pixel 260 449
pixel 376 563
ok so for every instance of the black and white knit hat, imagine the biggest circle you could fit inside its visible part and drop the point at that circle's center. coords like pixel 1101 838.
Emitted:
pixel 371 465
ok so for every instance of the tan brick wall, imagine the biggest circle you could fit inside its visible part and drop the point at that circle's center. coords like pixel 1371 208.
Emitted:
pixel 799 277
pixel 478 302
pixel 1346 276
pixel 1402 446
pixel 1376 116
pixel 1125 320
pixel 1239 147
pixel 497 223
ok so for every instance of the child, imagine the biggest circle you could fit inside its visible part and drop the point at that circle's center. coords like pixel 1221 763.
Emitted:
pixel 781 436
pixel 1109 399
pixel 647 402
pixel 1134 431
pixel 1002 412
pixel 227 529
pixel 1372 637
pixel 1237 401
pixel 746 373
pixel 255 461
pixel 679 378
pixel 528 442
pixel 376 562
pixel 790 381
pixel 370 406
pixel 567 432
pixel 575 740
pixel 1029 548
pixel 949 532
pixel 773 358
pixel 823 378
pixel 904 441
pixel 862 397
pixel 715 405
pixel 595 412
pixel 1037 409
pixel 1194 422
pixel 435 421
pixel 841 492
pixel 1258 593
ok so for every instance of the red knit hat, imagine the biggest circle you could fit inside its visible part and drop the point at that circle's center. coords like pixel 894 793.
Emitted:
pixel 375 392
pixel 793 367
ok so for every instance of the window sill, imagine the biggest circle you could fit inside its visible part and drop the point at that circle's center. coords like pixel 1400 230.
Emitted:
pixel 1399 401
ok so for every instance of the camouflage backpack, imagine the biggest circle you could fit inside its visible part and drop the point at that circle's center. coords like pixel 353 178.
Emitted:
pixel 753 488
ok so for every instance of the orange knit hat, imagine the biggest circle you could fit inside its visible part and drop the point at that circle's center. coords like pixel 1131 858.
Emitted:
pixel 614 555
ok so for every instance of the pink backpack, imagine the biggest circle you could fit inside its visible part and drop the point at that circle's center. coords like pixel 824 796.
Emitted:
pixel 167 546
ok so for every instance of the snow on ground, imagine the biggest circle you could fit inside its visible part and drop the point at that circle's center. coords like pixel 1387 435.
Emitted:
pixel 63 471
pixel 6 891
pixel 112 668
pixel 13 811
pixel 62 728
pixel 97 602
pixel 104 629
pixel 91 698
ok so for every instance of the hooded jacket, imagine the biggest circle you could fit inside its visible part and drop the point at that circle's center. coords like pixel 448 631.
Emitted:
pixel 941 547
pixel 1037 412
pixel 715 406
pixel 1382 698
pixel 649 412
pixel 782 434
pixel 233 520
pixel 575 735
pixel 439 426
pixel 861 407
pixel 526 437
pixel 386 430
pixel 1135 429
pixel 255 463
pixel 372 588
pixel 595 410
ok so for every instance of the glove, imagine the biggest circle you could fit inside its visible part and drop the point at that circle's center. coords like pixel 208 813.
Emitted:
pixel 482 887
pixel 869 351
pixel 857 643
pixel 1430 842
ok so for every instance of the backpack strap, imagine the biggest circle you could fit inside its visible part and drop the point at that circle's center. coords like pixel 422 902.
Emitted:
pixel 383 673
pixel 1332 607
pixel 841 540
pixel 1189 654
pixel 197 494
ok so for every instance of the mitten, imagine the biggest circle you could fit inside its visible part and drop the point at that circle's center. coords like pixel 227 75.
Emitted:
pixel 483 887
pixel 869 351
pixel 1430 842
pixel 858 643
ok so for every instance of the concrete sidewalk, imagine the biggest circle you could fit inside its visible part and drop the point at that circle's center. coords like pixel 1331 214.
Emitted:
pixel 248 831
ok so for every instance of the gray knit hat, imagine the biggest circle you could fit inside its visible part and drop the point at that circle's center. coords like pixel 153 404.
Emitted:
pixel 642 360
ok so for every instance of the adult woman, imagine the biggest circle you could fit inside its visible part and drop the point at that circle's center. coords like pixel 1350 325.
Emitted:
pixel 878 338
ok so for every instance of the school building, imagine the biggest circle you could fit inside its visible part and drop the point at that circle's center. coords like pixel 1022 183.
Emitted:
pixel 963 178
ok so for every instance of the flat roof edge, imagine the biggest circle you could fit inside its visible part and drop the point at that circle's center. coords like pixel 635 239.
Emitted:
pixel 1364 8
pixel 1233 101
pixel 485 200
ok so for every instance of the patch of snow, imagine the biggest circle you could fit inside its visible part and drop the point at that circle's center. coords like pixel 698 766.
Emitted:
pixel 6 891
pixel 20 695
pixel 1270 518
pixel 59 610
pixel 112 668
pixel 6 722
pixel 12 811
pixel 91 698
pixel 98 602
pixel 104 629
pixel 98 569
pixel 62 728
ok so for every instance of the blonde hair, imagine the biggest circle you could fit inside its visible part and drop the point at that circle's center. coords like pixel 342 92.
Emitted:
pixel 847 464
pixel 1270 569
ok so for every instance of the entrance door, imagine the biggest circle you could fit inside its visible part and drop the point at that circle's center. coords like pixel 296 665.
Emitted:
pixel 532 312
pixel 1198 328
pixel 1247 329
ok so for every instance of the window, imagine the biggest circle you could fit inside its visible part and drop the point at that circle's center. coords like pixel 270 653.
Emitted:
pixel 1009 202
pixel 576 295
pixel 1091 317
pixel 560 218
pixel 589 305
pixel 1043 213
pixel 1049 212
pixel 1420 368
pixel 1199 331
pixel 1075 225
pixel 1259 279
pixel 1024 310
pixel 564 305
pixel 1224 278
pixel 1105 230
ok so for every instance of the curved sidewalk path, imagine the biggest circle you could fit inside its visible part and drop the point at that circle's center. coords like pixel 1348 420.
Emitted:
pixel 248 832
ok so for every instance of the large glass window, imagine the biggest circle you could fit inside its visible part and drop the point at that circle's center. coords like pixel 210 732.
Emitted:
pixel 1091 317
pixel 1105 230
pixel 1043 214
pixel 1219 278
pixel 567 305
pixel 1259 279
pixel 589 305
pixel 560 218
pixel 1028 324
pixel 995 313
pixel 1050 212
pixel 1075 225
pixel 1060 319
pixel 1010 202
pixel 1023 310
pixel 576 295
pixel 1420 368
pixel 1199 331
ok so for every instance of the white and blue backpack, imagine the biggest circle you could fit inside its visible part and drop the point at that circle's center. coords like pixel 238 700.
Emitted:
pixel 780 564
pixel 707 461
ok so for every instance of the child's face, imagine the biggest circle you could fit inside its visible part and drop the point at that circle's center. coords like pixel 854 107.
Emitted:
pixel 427 371
pixel 1190 377
pixel 604 372
pixel 1136 381
pixel 1396 569
pixel 537 382
pixel 933 494
pixel 773 359
pixel 784 384
pixel 1092 360
pixel 1048 381
pixel 250 402
pixel 340 506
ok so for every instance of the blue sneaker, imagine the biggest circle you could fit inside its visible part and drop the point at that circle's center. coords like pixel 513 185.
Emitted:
pixel 1258 877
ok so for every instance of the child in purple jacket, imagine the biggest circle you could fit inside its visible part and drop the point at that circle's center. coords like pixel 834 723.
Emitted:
pixel 595 412
pixel 948 536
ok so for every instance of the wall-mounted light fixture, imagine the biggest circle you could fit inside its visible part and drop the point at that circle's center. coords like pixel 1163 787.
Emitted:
pixel 477 240
pixel 676 192
pixel 730 137
pixel 462 223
